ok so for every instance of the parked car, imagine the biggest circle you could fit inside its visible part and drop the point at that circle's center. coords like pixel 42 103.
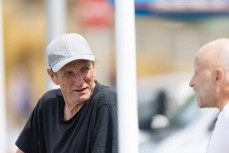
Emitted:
pixel 188 131
pixel 161 96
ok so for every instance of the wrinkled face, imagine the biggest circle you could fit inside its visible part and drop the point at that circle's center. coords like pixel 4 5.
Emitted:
pixel 76 80
pixel 202 84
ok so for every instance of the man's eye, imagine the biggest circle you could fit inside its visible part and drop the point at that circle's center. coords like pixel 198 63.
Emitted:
pixel 69 73
pixel 85 69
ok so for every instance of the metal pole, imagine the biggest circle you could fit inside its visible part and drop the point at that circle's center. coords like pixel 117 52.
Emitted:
pixel 126 76
pixel 3 125
pixel 56 21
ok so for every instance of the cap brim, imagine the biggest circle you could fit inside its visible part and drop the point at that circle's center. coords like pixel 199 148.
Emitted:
pixel 62 63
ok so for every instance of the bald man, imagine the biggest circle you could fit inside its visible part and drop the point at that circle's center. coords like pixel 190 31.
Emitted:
pixel 211 84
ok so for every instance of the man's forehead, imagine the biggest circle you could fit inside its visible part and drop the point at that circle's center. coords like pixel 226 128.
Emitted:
pixel 201 61
pixel 78 62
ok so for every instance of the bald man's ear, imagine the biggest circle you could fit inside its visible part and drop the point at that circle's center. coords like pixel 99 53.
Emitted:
pixel 218 75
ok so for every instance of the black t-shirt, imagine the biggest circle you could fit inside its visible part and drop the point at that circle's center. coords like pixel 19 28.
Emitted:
pixel 92 130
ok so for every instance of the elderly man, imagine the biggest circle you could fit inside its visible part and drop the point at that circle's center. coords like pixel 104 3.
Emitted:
pixel 81 116
pixel 211 84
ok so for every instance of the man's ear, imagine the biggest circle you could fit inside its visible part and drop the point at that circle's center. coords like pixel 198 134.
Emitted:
pixel 52 76
pixel 93 64
pixel 218 75
pixel 94 73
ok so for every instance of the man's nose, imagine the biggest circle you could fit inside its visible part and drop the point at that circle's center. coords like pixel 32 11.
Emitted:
pixel 191 82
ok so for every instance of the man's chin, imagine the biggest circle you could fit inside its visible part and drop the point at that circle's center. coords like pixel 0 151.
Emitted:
pixel 84 98
pixel 200 105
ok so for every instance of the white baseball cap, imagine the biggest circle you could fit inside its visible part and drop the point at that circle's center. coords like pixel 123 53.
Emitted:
pixel 67 48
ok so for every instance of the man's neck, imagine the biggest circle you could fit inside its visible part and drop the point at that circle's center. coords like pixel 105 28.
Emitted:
pixel 69 112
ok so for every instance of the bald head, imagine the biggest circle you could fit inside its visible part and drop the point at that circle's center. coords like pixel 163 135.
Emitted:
pixel 215 53
pixel 211 77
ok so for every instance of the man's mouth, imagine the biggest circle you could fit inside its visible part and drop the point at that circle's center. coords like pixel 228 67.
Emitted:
pixel 80 90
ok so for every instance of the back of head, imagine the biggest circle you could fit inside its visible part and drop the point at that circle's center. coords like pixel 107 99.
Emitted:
pixel 67 48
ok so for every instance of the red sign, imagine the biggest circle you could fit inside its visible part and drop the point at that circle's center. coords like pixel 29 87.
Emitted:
pixel 95 13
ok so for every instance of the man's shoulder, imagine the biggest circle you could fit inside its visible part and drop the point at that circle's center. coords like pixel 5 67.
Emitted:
pixel 51 95
pixel 104 90
pixel 105 94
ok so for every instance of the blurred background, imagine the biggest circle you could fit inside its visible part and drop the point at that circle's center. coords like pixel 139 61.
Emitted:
pixel 168 34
